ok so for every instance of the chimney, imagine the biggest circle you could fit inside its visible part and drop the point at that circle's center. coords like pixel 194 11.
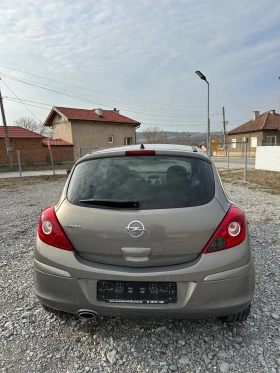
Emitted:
pixel 272 112
pixel 256 114
pixel 116 111
pixel 98 112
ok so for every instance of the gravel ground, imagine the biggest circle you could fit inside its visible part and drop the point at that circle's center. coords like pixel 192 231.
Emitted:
pixel 32 340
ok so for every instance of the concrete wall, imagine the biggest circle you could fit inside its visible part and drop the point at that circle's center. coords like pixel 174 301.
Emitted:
pixel 88 134
pixel 271 133
pixel 62 130
pixel 251 150
pixel 268 158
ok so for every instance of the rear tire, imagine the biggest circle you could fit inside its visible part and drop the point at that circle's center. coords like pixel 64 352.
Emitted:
pixel 237 317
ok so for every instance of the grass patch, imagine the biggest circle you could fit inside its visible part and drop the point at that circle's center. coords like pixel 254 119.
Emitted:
pixel 11 184
pixel 268 181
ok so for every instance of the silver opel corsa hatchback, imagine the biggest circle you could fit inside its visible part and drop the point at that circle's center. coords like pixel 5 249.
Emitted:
pixel 144 230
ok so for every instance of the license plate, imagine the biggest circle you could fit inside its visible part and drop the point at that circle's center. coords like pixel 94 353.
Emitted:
pixel 137 292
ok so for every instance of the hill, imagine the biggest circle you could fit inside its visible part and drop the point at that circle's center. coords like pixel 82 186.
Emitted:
pixel 193 138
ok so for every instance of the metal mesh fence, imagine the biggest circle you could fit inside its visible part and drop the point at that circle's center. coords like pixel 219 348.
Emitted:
pixel 85 151
pixel 227 157
pixel 36 159
pixel 232 156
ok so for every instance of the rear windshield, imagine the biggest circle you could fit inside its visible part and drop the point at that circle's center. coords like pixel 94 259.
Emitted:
pixel 155 182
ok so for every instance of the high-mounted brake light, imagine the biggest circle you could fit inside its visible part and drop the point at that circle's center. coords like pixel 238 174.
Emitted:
pixel 140 152
pixel 51 232
pixel 231 232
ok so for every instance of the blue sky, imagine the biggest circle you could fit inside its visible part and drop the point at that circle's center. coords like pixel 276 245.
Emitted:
pixel 140 57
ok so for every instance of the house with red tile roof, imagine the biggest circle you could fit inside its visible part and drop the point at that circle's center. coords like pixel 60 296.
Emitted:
pixel 262 130
pixel 91 129
pixel 33 147
pixel 16 132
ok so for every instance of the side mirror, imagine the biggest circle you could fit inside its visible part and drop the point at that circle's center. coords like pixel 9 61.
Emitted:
pixel 68 171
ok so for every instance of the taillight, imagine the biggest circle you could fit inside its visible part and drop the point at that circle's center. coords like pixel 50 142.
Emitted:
pixel 140 152
pixel 51 232
pixel 231 232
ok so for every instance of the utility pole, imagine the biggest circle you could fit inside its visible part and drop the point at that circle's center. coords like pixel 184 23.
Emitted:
pixel 165 138
pixel 7 140
pixel 224 126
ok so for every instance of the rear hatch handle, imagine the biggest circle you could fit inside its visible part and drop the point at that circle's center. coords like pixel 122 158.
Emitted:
pixel 136 254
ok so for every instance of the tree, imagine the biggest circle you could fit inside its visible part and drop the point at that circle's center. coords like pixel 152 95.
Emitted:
pixel 181 139
pixel 154 135
pixel 32 125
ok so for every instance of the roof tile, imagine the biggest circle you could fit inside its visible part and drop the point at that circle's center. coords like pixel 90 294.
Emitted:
pixel 90 115
pixel 56 142
pixel 266 121
pixel 16 132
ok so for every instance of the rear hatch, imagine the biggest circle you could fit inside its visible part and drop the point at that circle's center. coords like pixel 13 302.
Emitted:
pixel 141 211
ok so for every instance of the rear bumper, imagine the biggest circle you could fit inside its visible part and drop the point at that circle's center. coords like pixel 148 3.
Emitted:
pixel 194 299
pixel 69 283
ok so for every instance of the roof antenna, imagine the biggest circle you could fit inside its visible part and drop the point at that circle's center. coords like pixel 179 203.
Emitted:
pixel 142 146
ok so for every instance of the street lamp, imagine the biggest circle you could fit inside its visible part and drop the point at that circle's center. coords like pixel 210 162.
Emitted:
pixel 203 77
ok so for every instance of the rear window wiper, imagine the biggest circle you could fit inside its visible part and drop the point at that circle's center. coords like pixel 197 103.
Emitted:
pixel 111 202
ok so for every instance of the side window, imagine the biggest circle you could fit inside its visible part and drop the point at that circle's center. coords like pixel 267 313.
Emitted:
pixel 88 176
pixel 128 141
pixel 271 140
pixel 254 142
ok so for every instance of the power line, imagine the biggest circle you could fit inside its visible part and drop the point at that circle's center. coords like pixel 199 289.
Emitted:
pixel 167 116
pixel 88 89
pixel 31 103
pixel 173 125
pixel 149 124
pixel 21 101
pixel 7 98
pixel 216 128
pixel 142 123
pixel 45 86
pixel 90 101
pixel 34 102
pixel 79 96
pixel 18 102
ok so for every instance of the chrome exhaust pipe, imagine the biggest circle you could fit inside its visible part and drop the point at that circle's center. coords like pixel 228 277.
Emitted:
pixel 88 315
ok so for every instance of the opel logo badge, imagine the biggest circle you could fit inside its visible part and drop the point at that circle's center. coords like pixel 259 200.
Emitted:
pixel 135 229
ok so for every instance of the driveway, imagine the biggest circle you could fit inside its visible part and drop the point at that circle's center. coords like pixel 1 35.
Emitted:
pixel 234 162
pixel 33 341
pixel 6 175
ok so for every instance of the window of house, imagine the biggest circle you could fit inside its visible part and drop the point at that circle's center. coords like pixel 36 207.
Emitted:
pixel 271 140
pixel 233 143
pixel 128 141
pixel 254 142
pixel 111 139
